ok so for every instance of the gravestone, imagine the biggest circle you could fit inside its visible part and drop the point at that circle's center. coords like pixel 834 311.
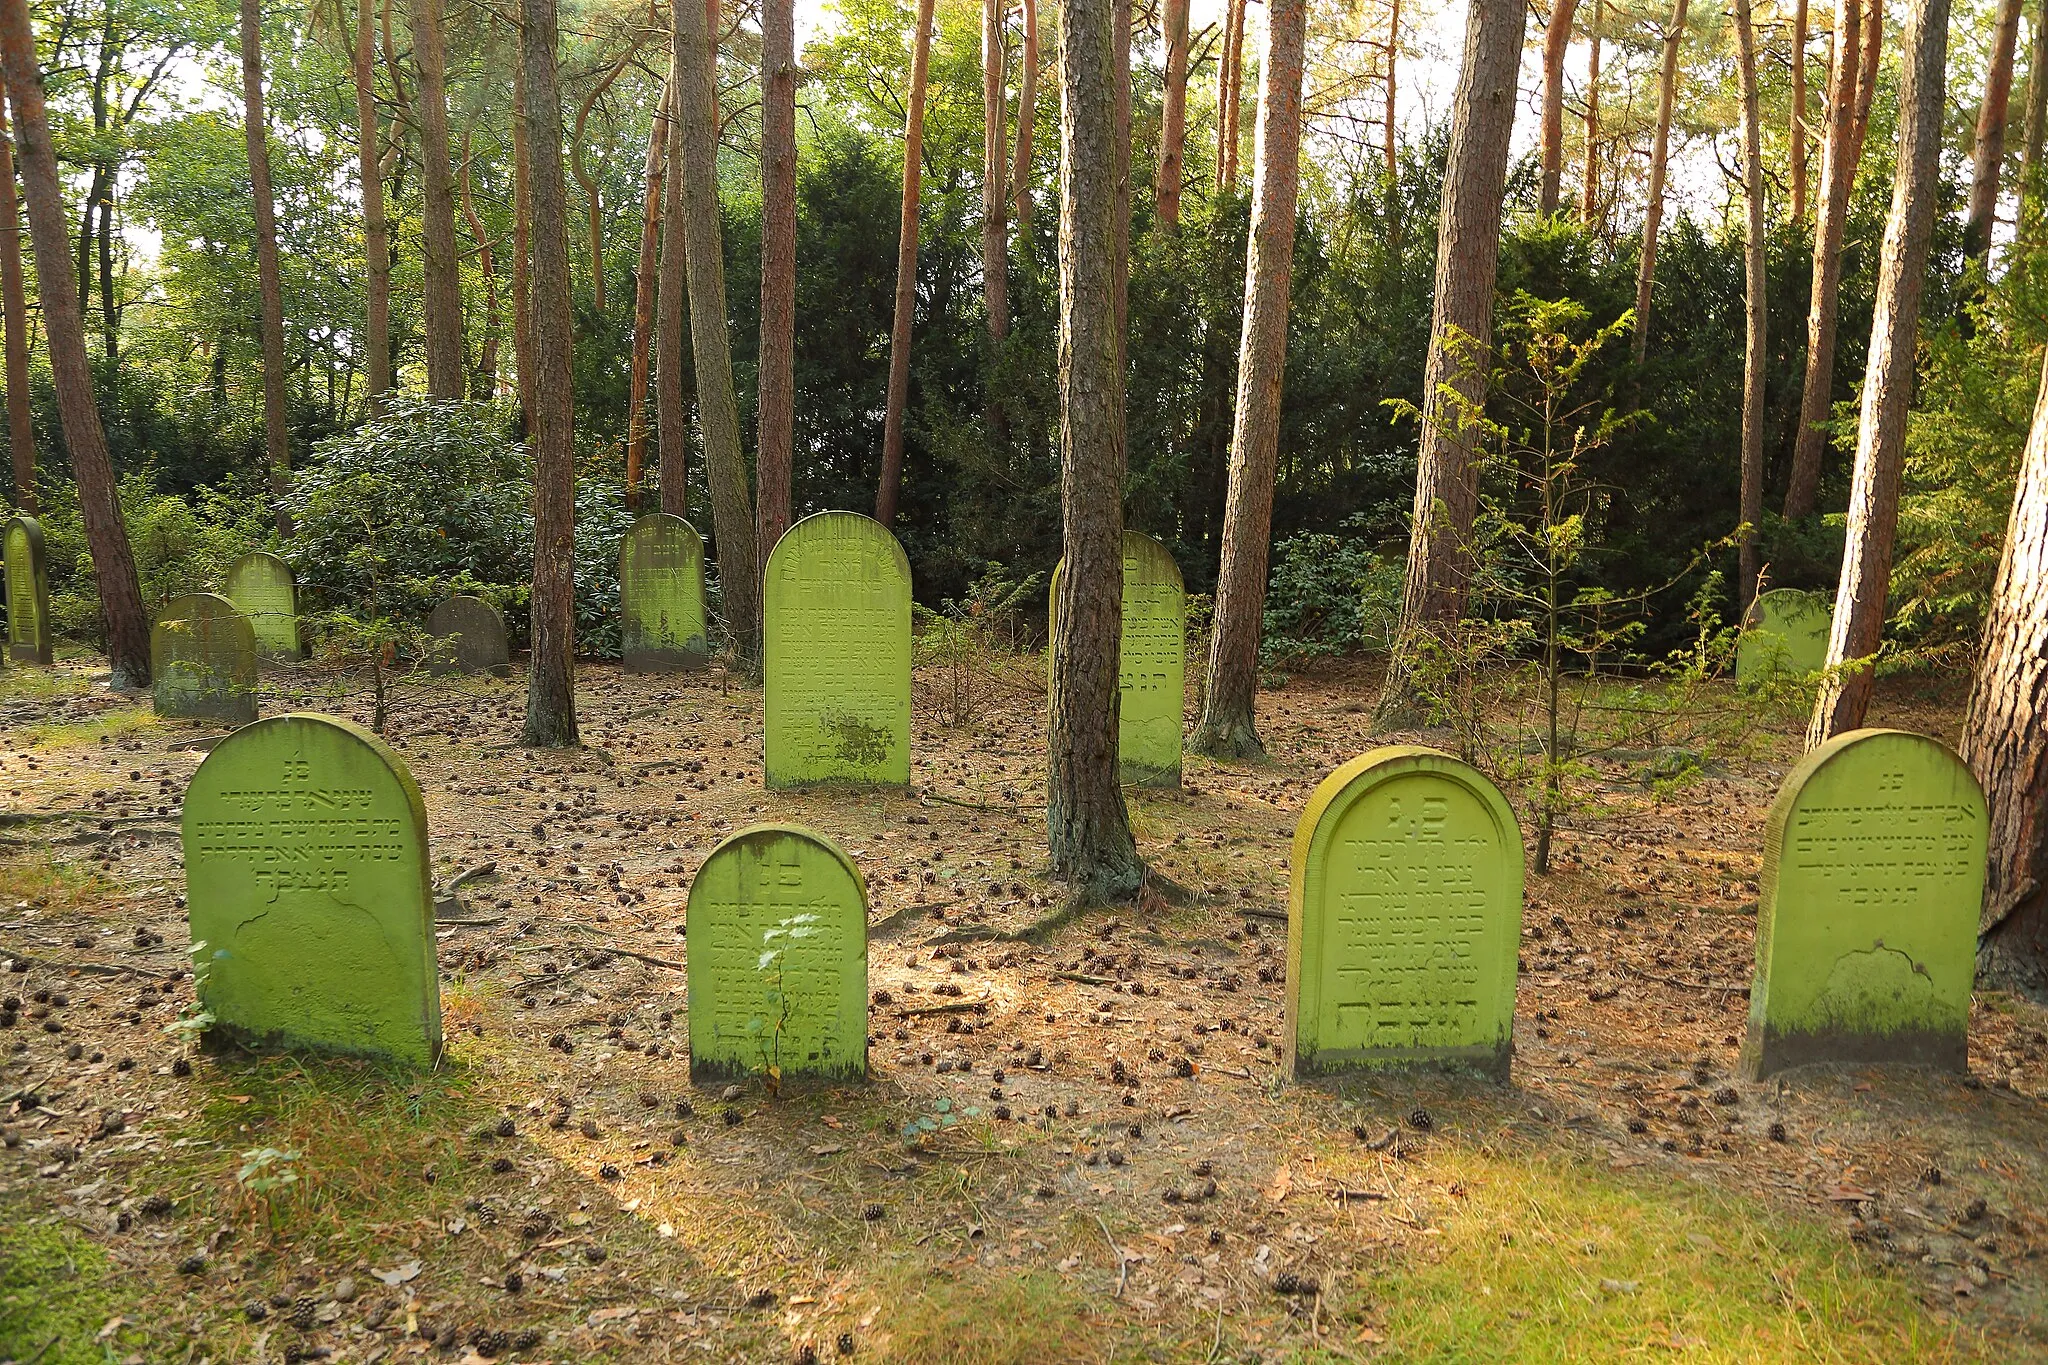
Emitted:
pixel 475 636
pixel 309 890
pixel 1866 931
pixel 1404 916
pixel 1786 631
pixel 777 958
pixel 28 592
pixel 1151 662
pixel 262 588
pixel 661 596
pixel 837 654
pixel 203 654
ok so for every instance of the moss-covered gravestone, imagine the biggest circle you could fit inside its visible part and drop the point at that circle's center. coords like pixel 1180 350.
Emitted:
pixel 837 654
pixel 1866 931
pixel 28 592
pixel 1404 915
pixel 262 588
pixel 1786 631
pixel 1151 663
pixel 204 656
pixel 470 635
pixel 661 596
pixel 777 940
pixel 310 894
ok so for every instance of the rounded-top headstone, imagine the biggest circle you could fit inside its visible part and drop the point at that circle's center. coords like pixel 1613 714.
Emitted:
pixel 1785 631
pixel 309 888
pixel 661 596
pixel 262 588
pixel 28 592
pixel 1866 932
pixel 1151 662
pixel 474 633
pixel 836 654
pixel 203 653
pixel 777 959
pixel 1404 916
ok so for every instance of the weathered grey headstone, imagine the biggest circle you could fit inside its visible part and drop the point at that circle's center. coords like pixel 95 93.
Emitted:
pixel 837 654
pixel 262 588
pixel 1786 631
pixel 1866 931
pixel 28 592
pixel 661 596
pixel 204 656
pixel 1151 662
pixel 777 959
pixel 308 885
pixel 472 636
pixel 1404 916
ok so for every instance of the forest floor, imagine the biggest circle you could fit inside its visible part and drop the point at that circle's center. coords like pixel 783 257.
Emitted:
pixel 557 1191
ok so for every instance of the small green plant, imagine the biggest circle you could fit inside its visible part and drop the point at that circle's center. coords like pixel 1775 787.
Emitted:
pixel 968 638
pixel 768 1032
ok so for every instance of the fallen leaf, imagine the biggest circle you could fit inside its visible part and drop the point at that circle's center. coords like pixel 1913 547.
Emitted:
pixel 1283 1181
pixel 403 1274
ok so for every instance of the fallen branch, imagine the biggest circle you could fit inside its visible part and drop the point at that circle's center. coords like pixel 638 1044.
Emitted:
pixel 957 1007
pixel 469 874
pixel 1123 1262
pixel 1083 978
pixel 1279 915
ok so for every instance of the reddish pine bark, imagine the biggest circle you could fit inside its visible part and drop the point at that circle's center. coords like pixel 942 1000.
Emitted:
pixel 21 428
pixel 276 434
pixel 672 306
pixel 376 237
pixel 441 294
pixel 522 248
pixel 1756 352
pixel 891 485
pixel 1027 118
pixel 1173 116
pixel 1660 151
pixel 995 167
pixel 776 440
pixel 1987 154
pixel 643 301
pixel 1796 134
pixel 1589 193
pixel 1557 39
pixel 1229 90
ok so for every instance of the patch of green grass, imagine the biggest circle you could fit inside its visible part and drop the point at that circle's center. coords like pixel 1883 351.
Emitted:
pixel 117 724
pixel 937 1315
pixel 44 881
pixel 1548 1259
pixel 40 684
pixel 57 1291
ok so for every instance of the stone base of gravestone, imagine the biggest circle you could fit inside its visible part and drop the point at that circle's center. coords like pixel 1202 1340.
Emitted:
pixel 1404 919
pixel 777 960
pixel 310 894
pixel 1874 863
pixel 469 635
pixel 203 654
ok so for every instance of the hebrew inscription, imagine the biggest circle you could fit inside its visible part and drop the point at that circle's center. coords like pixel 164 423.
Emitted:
pixel 262 588
pixel 28 592
pixel 308 887
pixel 204 656
pixel 777 959
pixel 1405 918
pixel 1867 921
pixel 661 596
pixel 1151 663
pixel 837 654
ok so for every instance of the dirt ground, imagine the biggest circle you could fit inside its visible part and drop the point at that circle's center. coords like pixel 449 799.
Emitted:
pixel 1076 1144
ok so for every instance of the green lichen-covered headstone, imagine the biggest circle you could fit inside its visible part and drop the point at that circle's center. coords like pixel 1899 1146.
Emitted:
pixel 1786 631
pixel 777 940
pixel 262 588
pixel 1151 663
pixel 204 656
pixel 309 889
pixel 470 635
pixel 1866 931
pixel 837 654
pixel 1404 915
pixel 28 592
pixel 661 596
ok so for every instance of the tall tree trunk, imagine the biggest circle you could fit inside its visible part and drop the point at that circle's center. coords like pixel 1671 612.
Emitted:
pixel 551 675
pixel 1173 116
pixel 776 438
pixel 1755 313
pixel 671 330
pixel 2037 120
pixel 522 248
pixel 1888 382
pixel 1838 174
pixel 1229 91
pixel 725 464
pixel 485 385
pixel 1866 81
pixel 1460 340
pixel 995 172
pixel 441 291
pixel 276 434
pixel 891 485
pixel 2005 733
pixel 1660 151
pixel 1393 149
pixel 1589 194
pixel 1120 221
pixel 1987 155
pixel 106 536
pixel 21 427
pixel 1796 134
pixel 1027 120
pixel 1557 39
pixel 643 301
pixel 1087 824
pixel 376 237
pixel 1228 728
